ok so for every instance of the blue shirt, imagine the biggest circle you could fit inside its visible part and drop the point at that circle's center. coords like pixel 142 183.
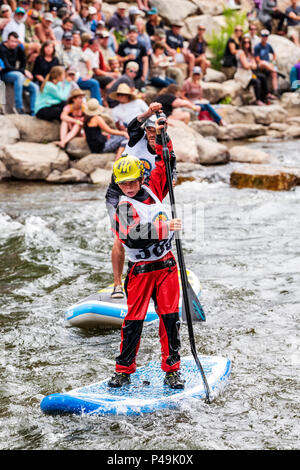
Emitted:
pixel 263 51
pixel 290 21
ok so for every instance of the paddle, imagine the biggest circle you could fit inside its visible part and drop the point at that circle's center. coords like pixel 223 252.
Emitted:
pixel 190 300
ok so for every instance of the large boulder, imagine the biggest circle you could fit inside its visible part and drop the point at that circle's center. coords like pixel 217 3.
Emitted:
pixel 244 154
pixel 93 161
pixel 78 148
pixel 9 134
pixel 236 115
pixel 4 173
pixel 207 7
pixel 101 177
pixel 212 153
pixel 31 161
pixel 205 128
pixel 291 103
pixel 264 177
pixel 241 131
pixel 32 129
pixel 211 23
pixel 185 141
pixel 174 11
pixel 213 91
pixel 268 114
pixel 288 54
pixel 71 175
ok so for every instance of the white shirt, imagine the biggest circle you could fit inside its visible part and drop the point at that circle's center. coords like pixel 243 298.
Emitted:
pixel 14 26
pixel 93 57
pixel 124 113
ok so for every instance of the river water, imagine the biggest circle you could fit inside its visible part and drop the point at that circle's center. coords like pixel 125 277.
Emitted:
pixel 55 249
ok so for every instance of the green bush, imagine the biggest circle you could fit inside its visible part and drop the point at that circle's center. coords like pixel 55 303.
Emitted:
pixel 217 41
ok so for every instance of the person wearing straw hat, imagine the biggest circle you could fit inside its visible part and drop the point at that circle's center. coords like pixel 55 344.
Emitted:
pixel 95 126
pixel 72 118
pixel 129 107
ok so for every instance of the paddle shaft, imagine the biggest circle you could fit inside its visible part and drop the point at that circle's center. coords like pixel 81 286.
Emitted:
pixel 181 262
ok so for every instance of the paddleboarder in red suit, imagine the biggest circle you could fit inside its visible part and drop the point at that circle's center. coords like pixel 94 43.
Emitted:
pixel 142 224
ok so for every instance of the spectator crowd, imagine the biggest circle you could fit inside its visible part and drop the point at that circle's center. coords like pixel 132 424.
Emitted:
pixel 70 59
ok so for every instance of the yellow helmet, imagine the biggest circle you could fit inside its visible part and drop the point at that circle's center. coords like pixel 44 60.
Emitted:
pixel 127 168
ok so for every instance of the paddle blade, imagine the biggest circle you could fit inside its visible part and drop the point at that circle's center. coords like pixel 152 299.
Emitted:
pixel 197 312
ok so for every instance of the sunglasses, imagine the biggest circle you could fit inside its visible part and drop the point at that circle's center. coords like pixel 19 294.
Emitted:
pixel 133 71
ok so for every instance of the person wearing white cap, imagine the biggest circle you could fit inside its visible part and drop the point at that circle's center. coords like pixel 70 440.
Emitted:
pixel 266 59
pixel 44 29
pixel 5 12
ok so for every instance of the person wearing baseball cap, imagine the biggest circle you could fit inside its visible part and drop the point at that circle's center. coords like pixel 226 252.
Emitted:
pixel 16 25
pixel 119 21
pixel 265 57
pixel 44 29
pixel 175 46
pixel 5 12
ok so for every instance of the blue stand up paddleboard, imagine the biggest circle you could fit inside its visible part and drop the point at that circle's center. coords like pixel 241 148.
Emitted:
pixel 99 310
pixel 145 394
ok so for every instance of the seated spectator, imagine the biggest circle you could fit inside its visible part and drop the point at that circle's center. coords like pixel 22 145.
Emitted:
pixel 171 101
pixel 72 118
pixel 66 26
pixel 268 12
pixel 266 64
pixel 81 19
pixel 5 12
pixel 99 15
pixel 92 22
pixel 13 56
pixel 197 46
pixel 94 126
pixel 119 20
pixel 129 106
pixel 134 13
pixel 175 47
pixel 31 57
pixel 128 77
pixel 100 73
pixel 293 21
pixel 39 5
pixel 44 62
pixel 143 37
pixel 229 61
pixel 43 30
pixel 71 77
pixel 104 47
pixel 69 55
pixel 53 95
pixel 114 66
pixel 154 22
pixel 192 91
pixel 76 38
pixel 295 77
pixel 143 5
pixel 16 25
pixel 31 39
pixel 158 66
pixel 254 38
pixel 247 73
pixel 132 50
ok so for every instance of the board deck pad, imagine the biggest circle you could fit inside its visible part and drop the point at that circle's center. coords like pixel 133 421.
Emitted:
pixel 146 392
pixel 100 310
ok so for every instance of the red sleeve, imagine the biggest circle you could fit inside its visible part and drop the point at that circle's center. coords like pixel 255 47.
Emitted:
pixel 158 179
pixel 102 65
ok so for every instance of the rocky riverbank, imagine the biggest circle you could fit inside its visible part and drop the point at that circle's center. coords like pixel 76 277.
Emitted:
pixel 28 152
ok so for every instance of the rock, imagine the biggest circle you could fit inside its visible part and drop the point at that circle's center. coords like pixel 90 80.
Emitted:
pixel 174 11
pixel 234 90
pixel 241 131
pixel 294 120
pixel 213 92
pixel 93 161
pixel 236 115
pixel 213 24
pixel 214 76
pixel 205 128
pixel 212 153
pixel 4 173
pixel 268 114
pixel 263 177
pixel 78 148
pixel 36 130
pixel 185 167
pixel 9 134
pixel 185 141
pixel 31 161
pixel 101 177
pixel 207 7
pixel 287 53
pixel 71 175
pixel 291 103
pixel 278 126
pixel 244 154
pixel 292 131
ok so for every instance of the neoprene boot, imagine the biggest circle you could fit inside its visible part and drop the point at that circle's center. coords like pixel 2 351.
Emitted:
pixel 119 379
pixel 174 380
